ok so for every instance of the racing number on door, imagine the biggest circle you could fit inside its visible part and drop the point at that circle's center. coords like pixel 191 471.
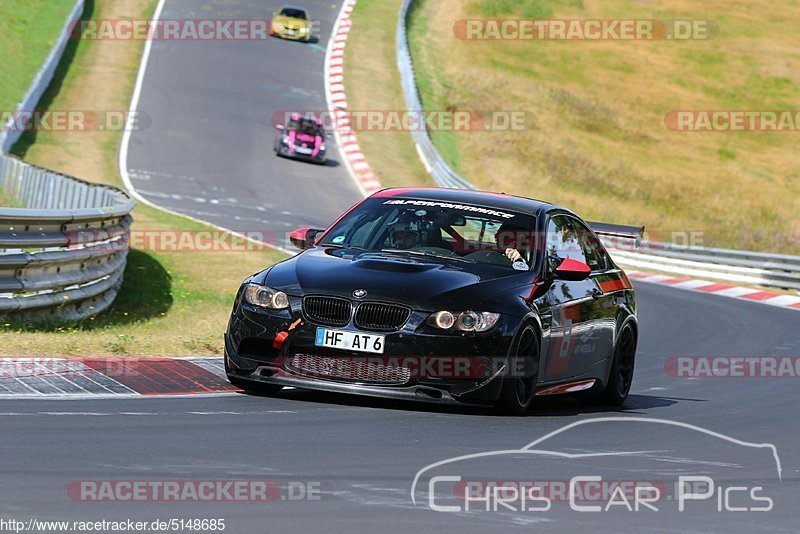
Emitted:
pixel 563 343
pixel 566 337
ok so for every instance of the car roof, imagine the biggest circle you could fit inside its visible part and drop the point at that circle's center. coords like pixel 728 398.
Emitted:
pixel 469 196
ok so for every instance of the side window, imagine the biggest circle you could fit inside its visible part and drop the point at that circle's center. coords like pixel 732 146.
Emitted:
pixel 602 254
pixel 563 241
pixel 592 248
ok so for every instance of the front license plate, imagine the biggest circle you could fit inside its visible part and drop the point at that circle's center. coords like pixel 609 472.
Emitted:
pixel 355 341
pixel 289 32
pixel 301 150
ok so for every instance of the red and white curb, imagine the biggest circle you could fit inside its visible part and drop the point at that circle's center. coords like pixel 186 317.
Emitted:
pixel 111 377
pixel 337 103
pixel 723 290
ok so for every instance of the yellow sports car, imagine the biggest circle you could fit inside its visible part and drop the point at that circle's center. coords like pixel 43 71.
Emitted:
pixel 291 22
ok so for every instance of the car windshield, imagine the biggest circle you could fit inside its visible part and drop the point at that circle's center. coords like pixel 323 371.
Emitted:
pixel 293 13
pixel 305 126
pixel 309 127
pixel 459 232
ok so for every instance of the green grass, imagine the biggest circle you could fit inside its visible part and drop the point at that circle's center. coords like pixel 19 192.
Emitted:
pixel 28 31
pixel 7 202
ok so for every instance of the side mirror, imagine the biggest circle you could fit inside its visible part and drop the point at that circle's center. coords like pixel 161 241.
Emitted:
pixel 328 135
pixel 572 270
pixel 304 238
pixel 280 127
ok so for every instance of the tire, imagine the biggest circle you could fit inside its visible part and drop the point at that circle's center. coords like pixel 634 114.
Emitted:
pixel 620 377
pixel 519 391
pixel 249 386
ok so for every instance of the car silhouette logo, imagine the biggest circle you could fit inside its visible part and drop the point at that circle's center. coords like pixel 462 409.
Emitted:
pixel 360 293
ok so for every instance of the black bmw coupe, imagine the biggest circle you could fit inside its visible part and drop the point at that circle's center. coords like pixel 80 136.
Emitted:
pixel 441 295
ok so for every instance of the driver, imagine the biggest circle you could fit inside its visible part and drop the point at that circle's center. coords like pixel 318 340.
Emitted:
pixel 508 239
pixel 404 235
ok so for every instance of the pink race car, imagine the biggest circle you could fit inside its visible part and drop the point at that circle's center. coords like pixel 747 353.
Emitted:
pixel 301 138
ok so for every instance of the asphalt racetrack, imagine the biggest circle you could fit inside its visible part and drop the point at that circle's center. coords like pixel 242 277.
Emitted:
pixel 207 150
pixel 359 456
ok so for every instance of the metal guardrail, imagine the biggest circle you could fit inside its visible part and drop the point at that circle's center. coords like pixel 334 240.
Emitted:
pixel 63 248
pixel 434 164
pixel 773 270
pixel 759 268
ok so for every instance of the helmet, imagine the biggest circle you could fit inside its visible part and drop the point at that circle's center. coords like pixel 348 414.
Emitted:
pixel 415 227
pixel 404 234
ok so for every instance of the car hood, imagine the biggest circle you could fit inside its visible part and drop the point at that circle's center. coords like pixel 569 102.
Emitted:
pixel 427 284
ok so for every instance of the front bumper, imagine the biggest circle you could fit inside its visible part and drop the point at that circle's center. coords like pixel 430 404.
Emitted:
pixel 252 353
pixel 283 150
pixel 295 36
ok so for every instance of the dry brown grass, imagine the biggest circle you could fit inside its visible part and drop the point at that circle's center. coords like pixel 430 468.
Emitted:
pixel 597 141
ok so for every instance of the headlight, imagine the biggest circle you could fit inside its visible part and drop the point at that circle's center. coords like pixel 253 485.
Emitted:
pixel 285 140
pixel 265 297
pixel 322 147
pixel 467 321
pixel 303 30
pixel 443 319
